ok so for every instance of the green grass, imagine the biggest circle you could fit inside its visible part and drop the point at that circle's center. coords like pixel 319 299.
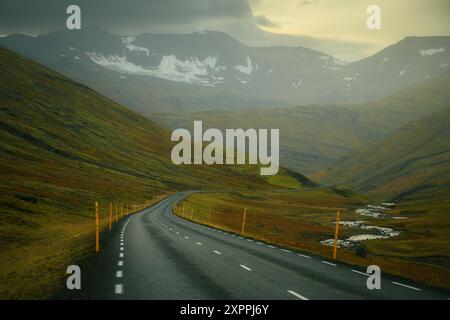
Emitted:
pixel 301 219
pixel 63 147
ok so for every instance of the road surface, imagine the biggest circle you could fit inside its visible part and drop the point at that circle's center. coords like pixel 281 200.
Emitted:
pixel 157 255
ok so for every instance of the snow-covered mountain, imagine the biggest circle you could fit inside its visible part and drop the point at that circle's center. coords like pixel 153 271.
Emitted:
pixel 210 70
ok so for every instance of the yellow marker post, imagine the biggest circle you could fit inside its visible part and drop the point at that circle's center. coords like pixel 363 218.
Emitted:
pixel 97 235
pixel 192 213
pixel 117 218
pixel 209 217
pixel 336 233
pixel 183 212
pixel 243 221
pixel 110 216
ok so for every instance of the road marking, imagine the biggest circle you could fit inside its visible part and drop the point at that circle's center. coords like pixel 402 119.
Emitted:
pixel 186 237
pixel 177 232
pixel 120 263
pixel 271 246
pixel 241 238
pixel 119 274
pixel 359 272
pixel 199 243
pixel 245 267
pixel 297 295
pixel 304 256
pixel 329 263
pixel 250 240
pixel 259 242
pixel 217 252
pixel 121 248
pixel 406 286
pixel 118 289
pixel 121 255
pixel 285 250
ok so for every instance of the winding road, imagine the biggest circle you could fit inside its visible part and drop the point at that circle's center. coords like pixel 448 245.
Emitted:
pixel 154 254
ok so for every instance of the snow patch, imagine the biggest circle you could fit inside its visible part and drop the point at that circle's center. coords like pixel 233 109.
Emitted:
pixel 248 69
pixel 298 84
pixel 191 70
pixel 431 51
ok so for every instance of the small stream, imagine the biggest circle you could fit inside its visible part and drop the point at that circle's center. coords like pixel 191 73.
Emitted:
pixel 374 211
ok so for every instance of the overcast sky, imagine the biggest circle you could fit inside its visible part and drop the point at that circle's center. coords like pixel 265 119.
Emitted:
pixel 337 27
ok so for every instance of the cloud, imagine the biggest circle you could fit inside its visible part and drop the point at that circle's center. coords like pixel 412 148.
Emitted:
pixel 308 2
pixel 263 21
pixel 118 15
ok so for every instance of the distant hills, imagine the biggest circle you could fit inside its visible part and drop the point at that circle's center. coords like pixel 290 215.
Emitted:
pixel 412 163
pixel 314 137
pixel 212 71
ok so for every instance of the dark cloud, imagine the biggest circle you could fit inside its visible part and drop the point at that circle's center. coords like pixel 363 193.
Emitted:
pixel 122 16
pixel 263 21
pixel 129 17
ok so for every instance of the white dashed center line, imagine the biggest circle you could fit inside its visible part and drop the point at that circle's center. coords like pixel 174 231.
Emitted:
pixel 119 274
pixel 295 294
pixel 245 267
pixel 120 263
pixel 359 272
pixel 118 289
pixel 199 243
pixel 121 255
pixel 216 252
pixel 186 237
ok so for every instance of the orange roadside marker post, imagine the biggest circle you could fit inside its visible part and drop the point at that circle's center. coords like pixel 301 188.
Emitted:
pixel 97 236
pixel 192 213
pixel 110 216
pixel 243 221
pixel 336 234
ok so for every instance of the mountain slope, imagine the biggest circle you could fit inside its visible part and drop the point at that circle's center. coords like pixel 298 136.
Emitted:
pixel 212 71
pixel 412 163
pixel 63 147
pixel 314 137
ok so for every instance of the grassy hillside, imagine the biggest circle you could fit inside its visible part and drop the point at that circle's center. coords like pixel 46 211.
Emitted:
pixel 412 168
pixel 62 147
pixel 412 163
pixel 315 137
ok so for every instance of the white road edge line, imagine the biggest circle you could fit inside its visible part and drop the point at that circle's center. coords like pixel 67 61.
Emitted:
pixel 329 263
pixel 406 286
pixel 245 267
pixel 285 250
pixel 295 294
pixel 304 256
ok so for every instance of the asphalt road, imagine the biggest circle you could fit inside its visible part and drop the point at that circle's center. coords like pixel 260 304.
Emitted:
pixel 157 255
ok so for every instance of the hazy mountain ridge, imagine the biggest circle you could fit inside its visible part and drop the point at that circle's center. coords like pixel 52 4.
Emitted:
pixel 211 70
pixel 314 137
